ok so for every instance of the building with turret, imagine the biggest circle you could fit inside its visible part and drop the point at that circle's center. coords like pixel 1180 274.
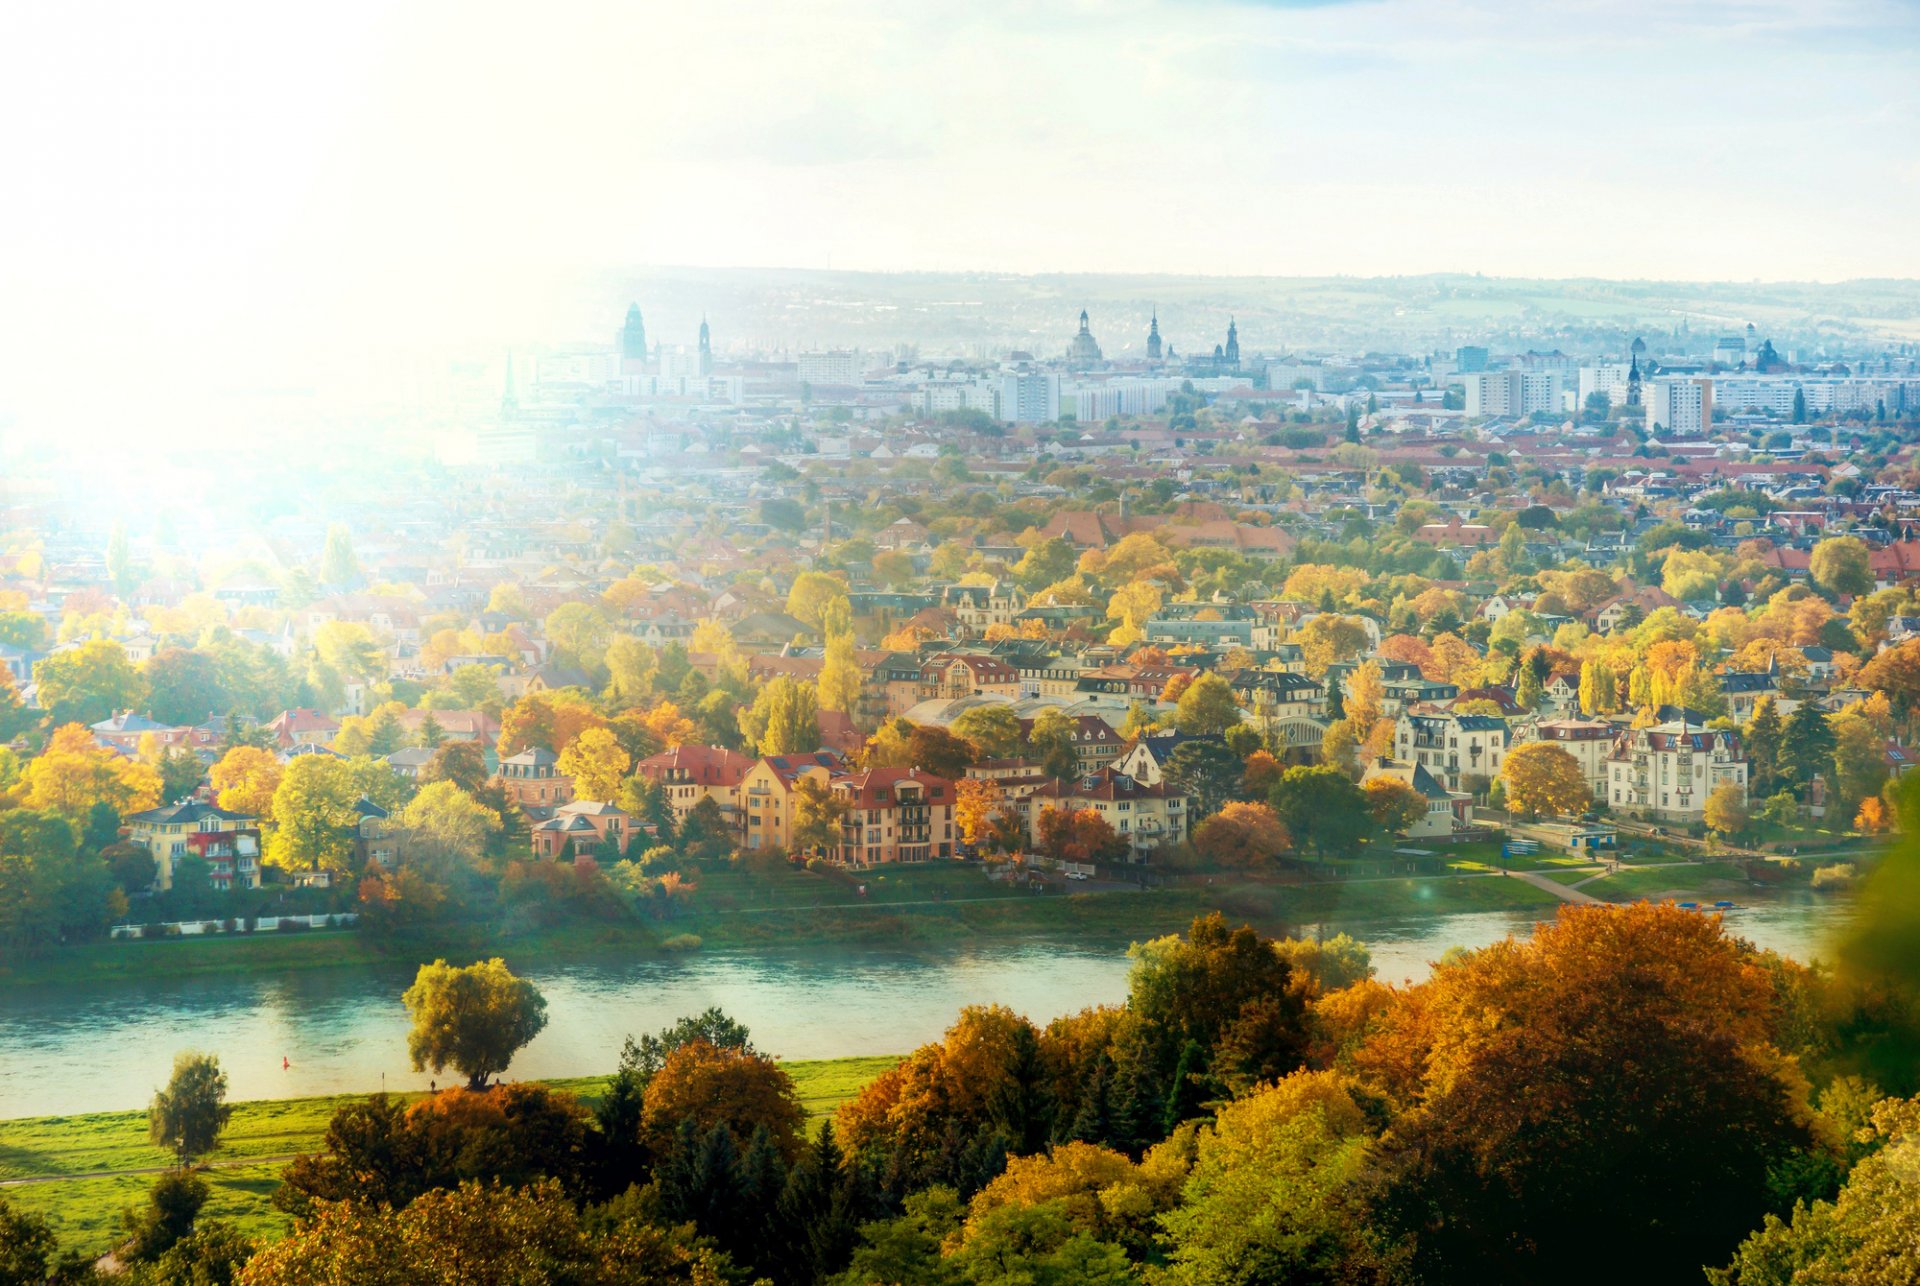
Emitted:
pixel 1084 353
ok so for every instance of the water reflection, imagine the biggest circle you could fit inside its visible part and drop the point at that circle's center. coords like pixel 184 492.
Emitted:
pixel 93 1048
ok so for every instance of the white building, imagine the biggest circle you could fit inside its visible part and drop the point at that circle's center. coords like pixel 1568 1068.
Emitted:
pixel 1589 741
pixel 1605 377
pixel 1453 747
pixel 1515 393
pixel 1028 397
pixel 835 366
pixel 1680 406
pixel 1668 770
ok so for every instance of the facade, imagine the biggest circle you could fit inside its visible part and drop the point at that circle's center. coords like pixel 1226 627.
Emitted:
pixel 578 829
pixel 1668 770
pixel 1028 397
pixel 1440 816
pixel 532 779
pixel 766 796
pixel 1516 393
pixel 229 842
pixel 1589 741
pixel 689 774
pixel 894 815
pixel 1679 406
pixel 1453 747
pixel 1147 817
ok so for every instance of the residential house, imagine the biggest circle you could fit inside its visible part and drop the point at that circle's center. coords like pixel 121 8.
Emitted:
pixel 1462 751
pixel 894 815
pixel 532 779
pixel 228 842
pixel 1668 770
pixel 1146 816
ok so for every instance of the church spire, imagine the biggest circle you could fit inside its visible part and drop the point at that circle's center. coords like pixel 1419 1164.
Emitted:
pixel 509 400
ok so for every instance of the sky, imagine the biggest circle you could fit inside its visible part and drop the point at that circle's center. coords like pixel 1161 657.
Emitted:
pixel 195 186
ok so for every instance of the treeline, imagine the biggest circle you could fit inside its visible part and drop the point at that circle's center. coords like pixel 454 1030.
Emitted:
pixel 1631 1093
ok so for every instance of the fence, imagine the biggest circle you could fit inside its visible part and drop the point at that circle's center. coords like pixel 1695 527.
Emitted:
pixel 240 924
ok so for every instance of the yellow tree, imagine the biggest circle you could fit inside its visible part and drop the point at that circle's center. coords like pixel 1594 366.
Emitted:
pixel 75 772
pixel 977 803
pixel 840 674
pixel 1542 778
pixel 244 780
pixel 596 762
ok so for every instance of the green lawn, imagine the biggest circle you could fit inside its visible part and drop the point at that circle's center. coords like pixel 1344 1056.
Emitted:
pixel 1693 882
pixel 85 1212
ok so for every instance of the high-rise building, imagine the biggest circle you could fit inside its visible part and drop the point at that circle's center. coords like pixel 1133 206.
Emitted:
pixel 1029 397
pixel 1516 393
pixel 1679 406
pixel 633 336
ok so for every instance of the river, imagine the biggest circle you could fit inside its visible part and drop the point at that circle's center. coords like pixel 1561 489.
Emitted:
pixel 100 1047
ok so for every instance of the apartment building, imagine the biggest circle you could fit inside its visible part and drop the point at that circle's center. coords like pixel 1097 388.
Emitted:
pixel 894 815
pixel 1668 770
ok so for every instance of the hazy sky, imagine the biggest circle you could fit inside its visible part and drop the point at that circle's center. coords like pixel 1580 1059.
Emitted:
pixel 190 182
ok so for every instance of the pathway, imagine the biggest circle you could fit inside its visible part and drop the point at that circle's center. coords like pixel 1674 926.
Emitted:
pixel 1561 891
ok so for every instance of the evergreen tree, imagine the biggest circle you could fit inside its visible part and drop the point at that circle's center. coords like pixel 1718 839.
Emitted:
pixel 819 1213
pixel 673 1175
pixel 715 1197
pixel 1806 748
pixel 431 733
pixel 763 1177
pixel 1137 1105
pixel 1020 1108
pixel 1336 700
pixel 622 1160
pixel 1762 746
pixel 1186 1099
pixel 983 1161
pixel 1093 1123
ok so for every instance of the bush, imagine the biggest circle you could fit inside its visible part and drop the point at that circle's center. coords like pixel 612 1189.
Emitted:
pixel 289 925
pixel 1838 876
pixel 682 942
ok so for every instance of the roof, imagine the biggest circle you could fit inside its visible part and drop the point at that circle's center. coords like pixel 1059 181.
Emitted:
pixel 188 811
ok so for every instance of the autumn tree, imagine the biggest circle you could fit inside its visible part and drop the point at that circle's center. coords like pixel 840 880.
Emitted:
pixel 840 679
pixel 711 1085
pixel 1078 835
pixel 1840 565
pixel 1395 807
pixel 314 816
pixel 473 1019
pixel 1523 1067
pixel 811 596
pixel 1052 741
pixel 445 819
pixel 596 762
pixel 75 772
pixel 89 683
pixel 1241 835
pixel 784 718
pixel 1540 777
pixel 1726 808
pixel 977 804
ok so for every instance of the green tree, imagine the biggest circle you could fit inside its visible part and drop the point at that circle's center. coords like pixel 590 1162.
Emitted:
pixel 1762 741
pixel 1206 708
pixel 1806 747
pixel 184 687
pixel 992 730
pixel 473 1019
pixel 1050 740
pixel 818 815
pixel 338 563
pixel 1206 772
pixel 187 1116
pixel 173 1203
pixel 784 718
pixel 26 1247
pixel 1323 810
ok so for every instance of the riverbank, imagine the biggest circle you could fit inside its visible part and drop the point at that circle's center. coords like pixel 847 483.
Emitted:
pixel 909 907
pixel 81 1171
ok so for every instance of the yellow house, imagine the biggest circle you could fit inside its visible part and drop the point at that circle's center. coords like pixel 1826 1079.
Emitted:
pixel 229 842
pixel 767 795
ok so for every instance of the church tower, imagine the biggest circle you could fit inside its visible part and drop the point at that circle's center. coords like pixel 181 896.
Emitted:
pixel 706 348
pixel 1153 337
pixel 1633 373
pixel 1233 344
pixel 633 336
pixel 509 400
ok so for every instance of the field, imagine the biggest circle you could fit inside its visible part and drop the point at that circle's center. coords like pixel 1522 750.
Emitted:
pixel 94 1153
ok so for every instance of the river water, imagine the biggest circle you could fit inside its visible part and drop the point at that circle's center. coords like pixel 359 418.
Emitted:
pixel 95 1048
